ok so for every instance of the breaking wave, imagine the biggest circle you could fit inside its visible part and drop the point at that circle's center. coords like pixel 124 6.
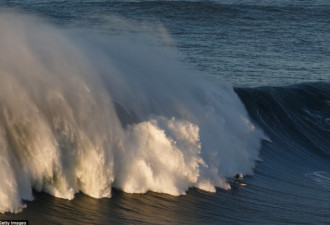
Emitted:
pixel 85 113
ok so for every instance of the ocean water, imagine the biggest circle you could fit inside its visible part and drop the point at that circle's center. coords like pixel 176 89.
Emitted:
pixel 141 112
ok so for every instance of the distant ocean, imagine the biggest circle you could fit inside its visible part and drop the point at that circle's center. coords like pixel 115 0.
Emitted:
pixel 142 112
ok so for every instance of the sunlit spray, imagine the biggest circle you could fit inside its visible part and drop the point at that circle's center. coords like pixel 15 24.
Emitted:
pixel 92 112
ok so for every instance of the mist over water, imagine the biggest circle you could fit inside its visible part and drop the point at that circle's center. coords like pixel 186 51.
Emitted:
pixel 88 113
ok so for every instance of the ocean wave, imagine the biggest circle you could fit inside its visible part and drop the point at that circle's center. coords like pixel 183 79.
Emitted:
pixel 85 113
pixel 296 114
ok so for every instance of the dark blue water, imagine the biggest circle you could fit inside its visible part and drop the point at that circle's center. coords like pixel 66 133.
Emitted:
pixel 244 42
pixel 277 55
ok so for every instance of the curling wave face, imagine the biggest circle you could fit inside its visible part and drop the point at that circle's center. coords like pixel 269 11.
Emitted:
pixel 95 112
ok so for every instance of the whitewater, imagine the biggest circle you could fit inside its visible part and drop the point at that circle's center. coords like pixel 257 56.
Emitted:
pixel 89 113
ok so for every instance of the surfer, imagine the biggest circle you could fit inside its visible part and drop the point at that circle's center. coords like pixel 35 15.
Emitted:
pixel 238 177
pixel 238 180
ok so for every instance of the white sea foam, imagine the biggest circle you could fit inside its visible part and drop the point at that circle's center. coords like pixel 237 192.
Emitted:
pixel 320 177
pixel 95 112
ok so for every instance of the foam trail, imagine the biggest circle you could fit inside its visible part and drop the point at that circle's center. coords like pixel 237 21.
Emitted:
pixel 89 113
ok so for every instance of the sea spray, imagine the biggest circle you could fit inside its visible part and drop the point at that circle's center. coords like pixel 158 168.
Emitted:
pixel 160 155
pixel 88 113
